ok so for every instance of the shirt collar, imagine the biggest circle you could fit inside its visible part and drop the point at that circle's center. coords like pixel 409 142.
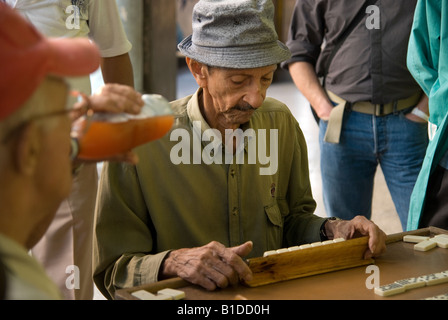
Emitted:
pixel 205 131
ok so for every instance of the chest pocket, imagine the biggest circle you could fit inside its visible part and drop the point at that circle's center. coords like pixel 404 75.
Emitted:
pixel 274 234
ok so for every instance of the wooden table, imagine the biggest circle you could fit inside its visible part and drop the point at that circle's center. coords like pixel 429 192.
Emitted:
pixel 400 261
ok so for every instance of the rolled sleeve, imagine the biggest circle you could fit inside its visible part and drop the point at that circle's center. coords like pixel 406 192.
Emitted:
pixel 306 32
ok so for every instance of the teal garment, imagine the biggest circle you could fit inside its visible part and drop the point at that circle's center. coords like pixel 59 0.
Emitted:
pixel 428 63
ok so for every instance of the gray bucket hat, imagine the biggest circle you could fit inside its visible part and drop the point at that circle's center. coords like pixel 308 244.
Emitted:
pixel 238 34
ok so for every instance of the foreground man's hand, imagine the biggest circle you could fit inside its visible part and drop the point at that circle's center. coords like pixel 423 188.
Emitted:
pixel 111 98
pixel 357 227
pixel 211 266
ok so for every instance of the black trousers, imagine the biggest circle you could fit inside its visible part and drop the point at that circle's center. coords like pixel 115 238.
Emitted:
pixel 435 212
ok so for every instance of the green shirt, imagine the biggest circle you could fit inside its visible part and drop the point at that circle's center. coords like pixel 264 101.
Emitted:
pixel 428 63
pixel 144 211
pixel 25 277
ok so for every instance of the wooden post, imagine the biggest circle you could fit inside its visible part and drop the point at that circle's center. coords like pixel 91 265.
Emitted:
pixel 159 48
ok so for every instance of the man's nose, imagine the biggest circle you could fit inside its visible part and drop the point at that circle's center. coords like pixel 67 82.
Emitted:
pixel 255 96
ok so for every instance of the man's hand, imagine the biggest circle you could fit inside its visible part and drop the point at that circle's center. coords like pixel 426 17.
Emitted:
pixel 211 266
pixel 111 98
pixel 357 227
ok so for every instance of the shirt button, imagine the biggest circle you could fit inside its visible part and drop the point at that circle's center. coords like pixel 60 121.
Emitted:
pixel 235 211
pixel 232 173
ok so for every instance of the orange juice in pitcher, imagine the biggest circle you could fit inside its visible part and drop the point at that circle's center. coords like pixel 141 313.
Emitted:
pixel 104 135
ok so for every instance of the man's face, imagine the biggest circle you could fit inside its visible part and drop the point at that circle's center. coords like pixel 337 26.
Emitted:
pixel 236 93
pixel 54 178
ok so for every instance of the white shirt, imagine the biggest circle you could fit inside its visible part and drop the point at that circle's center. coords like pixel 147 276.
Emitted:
pixel 98 20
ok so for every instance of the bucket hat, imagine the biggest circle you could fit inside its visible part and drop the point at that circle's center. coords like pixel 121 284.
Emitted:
pixel 238 34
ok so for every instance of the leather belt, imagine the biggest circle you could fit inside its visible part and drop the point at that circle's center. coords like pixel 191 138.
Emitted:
pixel 337 114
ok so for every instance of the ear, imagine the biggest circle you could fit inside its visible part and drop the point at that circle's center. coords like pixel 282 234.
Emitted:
pixel 198 71
pixel 27 149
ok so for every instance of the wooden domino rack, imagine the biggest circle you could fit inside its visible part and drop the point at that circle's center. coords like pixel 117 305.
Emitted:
pixel 309 261
pixel 400 261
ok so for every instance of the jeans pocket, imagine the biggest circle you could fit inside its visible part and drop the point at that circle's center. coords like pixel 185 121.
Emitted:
pixel 416 123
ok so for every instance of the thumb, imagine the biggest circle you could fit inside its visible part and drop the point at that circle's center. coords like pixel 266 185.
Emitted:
pixel 243 249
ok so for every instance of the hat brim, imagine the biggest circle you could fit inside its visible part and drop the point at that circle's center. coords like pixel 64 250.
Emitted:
pixel 72 57
pixel 54 57
pixel 238 57
pixel 27 58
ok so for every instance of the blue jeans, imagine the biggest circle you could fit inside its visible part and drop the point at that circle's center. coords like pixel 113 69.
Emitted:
pixel 397 144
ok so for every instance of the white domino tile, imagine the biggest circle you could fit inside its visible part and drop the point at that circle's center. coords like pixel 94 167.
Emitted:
pixel 439 297
pixel 143 295
pixel 414 239
pixel 425 245
pixel 270 253
pixel 412 283
pixel 442 242
pixel 174 294
pixel 435 278
pixel 390 289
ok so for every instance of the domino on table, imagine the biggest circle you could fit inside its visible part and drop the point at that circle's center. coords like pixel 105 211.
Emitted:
pixel 145 295
pixel 175 294
pixel 414 239
pixel 390 289
pixel 425 245
pixel 439 297
pixel 435 278
pixel 442 242
pixel 412 283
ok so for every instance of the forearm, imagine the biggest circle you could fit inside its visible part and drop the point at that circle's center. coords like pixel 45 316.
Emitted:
pixel 306 80
pixel 118 70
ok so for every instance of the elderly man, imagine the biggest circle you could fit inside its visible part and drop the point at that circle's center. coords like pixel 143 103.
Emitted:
pixel 199 199
pixel 35 163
